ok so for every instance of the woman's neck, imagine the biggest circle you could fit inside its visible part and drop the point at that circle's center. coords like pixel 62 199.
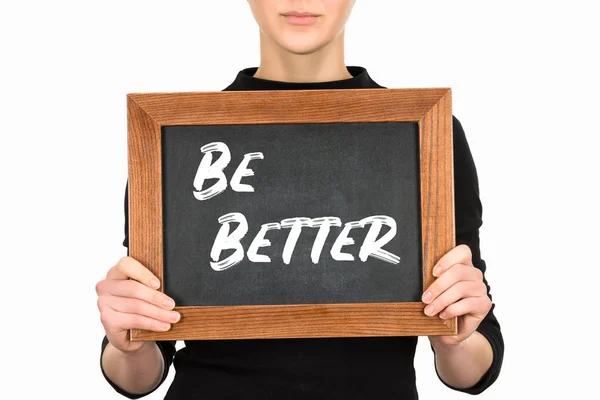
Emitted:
pixel 323 65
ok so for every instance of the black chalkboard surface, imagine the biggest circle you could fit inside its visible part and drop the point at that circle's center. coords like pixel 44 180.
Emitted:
pixel 346 170
pixel 288 214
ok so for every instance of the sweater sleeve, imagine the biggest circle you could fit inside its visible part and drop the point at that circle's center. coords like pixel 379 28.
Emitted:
pixel 468 219
pixel 167 347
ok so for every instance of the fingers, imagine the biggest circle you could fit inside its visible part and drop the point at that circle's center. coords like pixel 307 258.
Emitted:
pixel 457 273
pixel 134 289
pixel 137 306
pixel 470 305
pixel 460 254
pixel 133 303
pixel 115 321
pixel 458 291
pixel 128 267
pixel 128 299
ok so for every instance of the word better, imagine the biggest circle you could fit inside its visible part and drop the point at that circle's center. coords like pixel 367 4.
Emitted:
pixel 371 247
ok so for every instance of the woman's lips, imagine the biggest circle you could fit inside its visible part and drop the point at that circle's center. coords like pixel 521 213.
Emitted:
pixel 301 19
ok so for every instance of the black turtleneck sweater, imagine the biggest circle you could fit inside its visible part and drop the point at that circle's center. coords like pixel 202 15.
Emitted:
pixel 329 368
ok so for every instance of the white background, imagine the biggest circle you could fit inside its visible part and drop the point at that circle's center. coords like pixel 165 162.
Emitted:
pixel 525 86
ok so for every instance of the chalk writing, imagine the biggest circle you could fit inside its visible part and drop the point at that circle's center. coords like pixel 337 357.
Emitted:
pixel 224 240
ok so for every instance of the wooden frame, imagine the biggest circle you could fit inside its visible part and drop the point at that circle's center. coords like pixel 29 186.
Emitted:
pixel 147 113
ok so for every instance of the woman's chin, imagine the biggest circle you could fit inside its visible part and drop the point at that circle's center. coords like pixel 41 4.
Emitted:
pixel 301 45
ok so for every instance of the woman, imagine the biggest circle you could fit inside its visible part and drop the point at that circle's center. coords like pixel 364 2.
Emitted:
pixel 302 47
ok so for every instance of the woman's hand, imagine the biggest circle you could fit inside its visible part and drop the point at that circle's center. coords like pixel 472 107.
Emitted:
pixel 459 291
pixel 126 303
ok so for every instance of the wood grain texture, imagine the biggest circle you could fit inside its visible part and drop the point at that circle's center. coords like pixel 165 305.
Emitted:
pixel 300 321
pixel 144 189
pixel 288 106
pixel 437 185
pixel 430 108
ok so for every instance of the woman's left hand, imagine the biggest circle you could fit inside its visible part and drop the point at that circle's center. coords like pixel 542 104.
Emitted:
pixel 459 291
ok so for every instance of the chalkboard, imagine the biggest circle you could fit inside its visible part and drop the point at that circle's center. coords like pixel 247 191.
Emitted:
pixel 348 171
pixel 313 213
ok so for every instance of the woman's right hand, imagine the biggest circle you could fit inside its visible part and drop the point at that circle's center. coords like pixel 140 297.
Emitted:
pixel 126 303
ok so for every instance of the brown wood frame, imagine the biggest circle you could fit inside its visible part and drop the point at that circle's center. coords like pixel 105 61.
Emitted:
pixel 429 107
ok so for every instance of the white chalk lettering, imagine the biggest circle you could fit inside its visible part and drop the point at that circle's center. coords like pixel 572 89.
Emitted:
pixel 296 225
pixel 373 246
pixel 242 171
pixel 260 241
pixel 226 241
pixel 343 240
pixel 324 225
pixel 206 171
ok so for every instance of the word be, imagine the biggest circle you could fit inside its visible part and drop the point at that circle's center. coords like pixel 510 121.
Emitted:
pixel 371 247
pixel 207 171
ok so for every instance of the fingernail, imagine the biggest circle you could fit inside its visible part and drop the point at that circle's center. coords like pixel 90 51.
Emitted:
pixel 169 303
pixel 427 297
pixel 155 283
pixel 437 270
pixel 174 316
pixel 429 309
pixel 166 326
pixel 443 315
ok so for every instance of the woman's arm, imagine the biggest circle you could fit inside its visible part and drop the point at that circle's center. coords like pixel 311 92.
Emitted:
pixel 463 365
pixel 138 372
pixel 129 298
pixel 460 290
